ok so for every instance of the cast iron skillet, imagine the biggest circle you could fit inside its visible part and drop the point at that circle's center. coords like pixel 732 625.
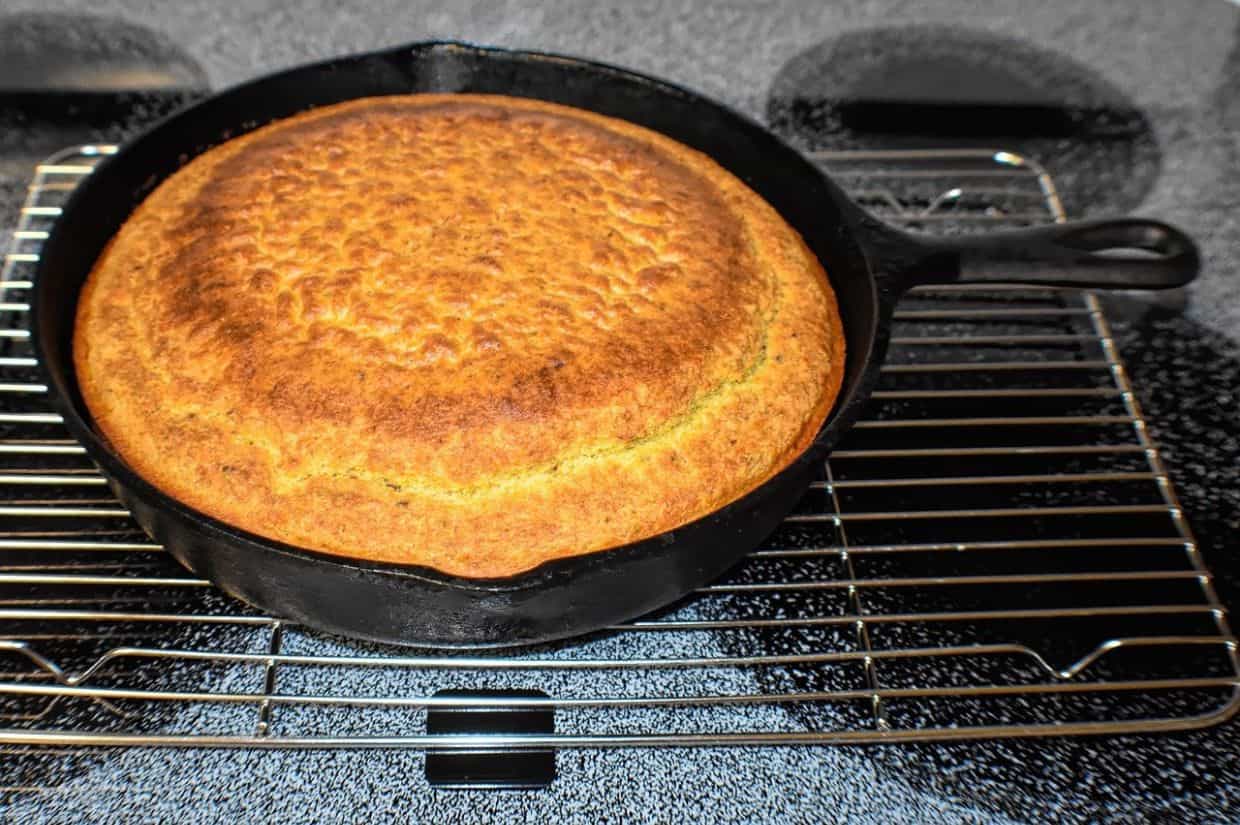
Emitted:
pixel 870 265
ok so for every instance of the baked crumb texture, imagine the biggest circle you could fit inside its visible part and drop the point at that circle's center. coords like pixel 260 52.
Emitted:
pixel 463 331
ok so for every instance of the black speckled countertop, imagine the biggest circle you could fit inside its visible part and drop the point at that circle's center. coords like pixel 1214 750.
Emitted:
pixel 1179 69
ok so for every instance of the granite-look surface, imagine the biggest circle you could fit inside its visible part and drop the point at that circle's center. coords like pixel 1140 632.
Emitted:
pixel 1183 72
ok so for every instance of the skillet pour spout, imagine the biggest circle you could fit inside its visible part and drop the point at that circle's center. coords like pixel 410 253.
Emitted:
pixel 868 263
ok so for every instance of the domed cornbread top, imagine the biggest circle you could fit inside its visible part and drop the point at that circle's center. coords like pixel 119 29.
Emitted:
pixel 462 331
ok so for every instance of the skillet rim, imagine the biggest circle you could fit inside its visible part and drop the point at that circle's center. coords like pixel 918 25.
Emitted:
pixel 855 389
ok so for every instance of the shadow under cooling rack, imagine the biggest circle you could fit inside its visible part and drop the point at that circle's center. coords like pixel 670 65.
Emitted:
pixel 995 550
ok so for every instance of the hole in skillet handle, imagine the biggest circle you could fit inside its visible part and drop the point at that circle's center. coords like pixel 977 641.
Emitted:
pixel 1125 253
pixel 490 768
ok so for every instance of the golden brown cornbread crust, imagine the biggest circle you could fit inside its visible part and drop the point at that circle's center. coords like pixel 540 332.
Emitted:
pixel 469 332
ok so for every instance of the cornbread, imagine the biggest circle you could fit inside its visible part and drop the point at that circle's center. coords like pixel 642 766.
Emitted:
pixel 468 332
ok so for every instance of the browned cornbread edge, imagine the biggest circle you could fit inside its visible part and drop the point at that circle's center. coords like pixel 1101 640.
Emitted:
pixel 229 384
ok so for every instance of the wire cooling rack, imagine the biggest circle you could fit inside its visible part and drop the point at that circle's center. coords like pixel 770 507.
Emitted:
pixel 995 550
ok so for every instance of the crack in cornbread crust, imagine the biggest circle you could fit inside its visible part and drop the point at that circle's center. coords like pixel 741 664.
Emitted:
pixel 469 332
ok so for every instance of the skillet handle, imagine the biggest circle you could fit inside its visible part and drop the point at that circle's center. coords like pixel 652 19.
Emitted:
pixel 1126 253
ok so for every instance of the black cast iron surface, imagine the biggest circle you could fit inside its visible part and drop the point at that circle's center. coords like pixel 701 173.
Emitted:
pixel 1181 69
pixel 869 265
